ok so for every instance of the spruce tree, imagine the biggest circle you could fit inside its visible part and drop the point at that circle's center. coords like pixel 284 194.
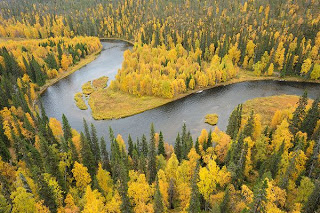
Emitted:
pixel 95 143
pixel 123 189
pixel 161 149
pixel 4 152
pixel 144 146
pixel 177 147
pixel 299 114
pixel 67 134
pixel 47 194
pixel 130 146
pixel 86 155
pixel 259 197
pixel 234 122
pixel 248 128
pixel 104 155
pixel 152 166
pixel 194 206
pixel 309 123
pixel 313 203
pixel 158 204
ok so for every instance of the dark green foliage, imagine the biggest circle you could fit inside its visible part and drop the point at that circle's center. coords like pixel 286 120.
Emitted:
pixel 259 197
pixel 4 152
pixel 194 206
pixel 299 114
pixel 144 149
pixel 248 128
pixel 104 155
pixel 309 123
pixel 130 146
pixel 158 204
pixel 95 143
pixel 177 148
pixel 152 166
pixel 86 155
pixel 66 128
pixel 313 203
pixel 123 189
pixel 225 204
pixel 234 122
pixel 161 150
pixel 47 194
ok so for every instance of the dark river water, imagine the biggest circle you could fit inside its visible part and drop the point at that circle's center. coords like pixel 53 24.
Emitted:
pixel 58 100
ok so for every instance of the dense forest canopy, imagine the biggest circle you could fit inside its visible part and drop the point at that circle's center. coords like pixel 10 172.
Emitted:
pixel 255 166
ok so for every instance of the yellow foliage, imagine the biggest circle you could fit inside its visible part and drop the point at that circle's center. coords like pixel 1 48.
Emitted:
pixel 81 175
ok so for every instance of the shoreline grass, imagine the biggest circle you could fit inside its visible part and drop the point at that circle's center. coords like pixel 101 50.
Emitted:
pixel 266 107
pixel 105 105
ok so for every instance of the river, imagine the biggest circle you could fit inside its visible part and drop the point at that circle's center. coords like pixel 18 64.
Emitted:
pixel 169 118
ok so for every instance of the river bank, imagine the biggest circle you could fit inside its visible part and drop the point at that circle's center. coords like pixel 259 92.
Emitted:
pixel 108 104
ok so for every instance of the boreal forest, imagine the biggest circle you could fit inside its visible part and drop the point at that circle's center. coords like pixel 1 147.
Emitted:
pixel 266 159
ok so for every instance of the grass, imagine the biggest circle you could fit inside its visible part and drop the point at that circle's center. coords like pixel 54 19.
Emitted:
pixel 87 88
pixel 100 83
pixel 267 106
pixel 109 104
pixel 212 119
pixel 78 98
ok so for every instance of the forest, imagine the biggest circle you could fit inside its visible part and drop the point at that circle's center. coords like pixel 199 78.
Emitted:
pixel 258 164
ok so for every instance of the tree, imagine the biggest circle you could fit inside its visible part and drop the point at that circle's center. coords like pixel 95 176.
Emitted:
pixel 5 207
pixel 310 121
pixel 22 201
pixel 194 205
pixel 312 205
pixel 299 114
pixel 4 152
pixel 152 166
pixel 234 122
pixel 104 155
pixel 105 182
pixel 81 175
pixel 161 149
pixel 66 128
pixel 94 201
pixel 95 143
pixel 260 197
pixel 177 147
pixel 158 204
pixel 130 146
pixel 86 154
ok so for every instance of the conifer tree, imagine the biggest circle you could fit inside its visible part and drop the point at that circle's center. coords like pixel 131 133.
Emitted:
pixel 86 155
pixel 312 205
pixel 123 189
pixel 309 123
pixel 234 122
pixel 299 114
pixel 161 149
pixel 95 143
pixel 144 146
pixel 177 147
pixel 152 166
pixel 194 205
pixel 66 128
pixel 158 204
pixel 4 152
pixel 104 155
pixel 260 196
pixel 130 145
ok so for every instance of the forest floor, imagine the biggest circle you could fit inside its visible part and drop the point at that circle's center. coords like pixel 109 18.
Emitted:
pixel 266 107
pixel 109 104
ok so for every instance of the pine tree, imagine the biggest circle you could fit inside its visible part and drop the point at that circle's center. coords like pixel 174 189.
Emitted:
pixel 4 152
pixel 74 153
pixel 177 147
pixel 66 128
pixel 309 123
pixel 123 189
pixel 130 146
pixel 95 143
pixel 312 205
pixel 87 135
pixel 152 166
pixel 158 204
pixel 194 206
pixel 47 194
pixel 234 122
pixel 86 155
pixel 104 155
pixel 144 146
pixel 260 196
pixel 299 114
pixel 224 206
pixel 248 128
pixel 161 149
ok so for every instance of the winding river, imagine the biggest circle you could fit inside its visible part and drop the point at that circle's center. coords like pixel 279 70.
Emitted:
pixel 169 118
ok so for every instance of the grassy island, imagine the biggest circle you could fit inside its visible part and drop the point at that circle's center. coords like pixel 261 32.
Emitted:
pixel 212 119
